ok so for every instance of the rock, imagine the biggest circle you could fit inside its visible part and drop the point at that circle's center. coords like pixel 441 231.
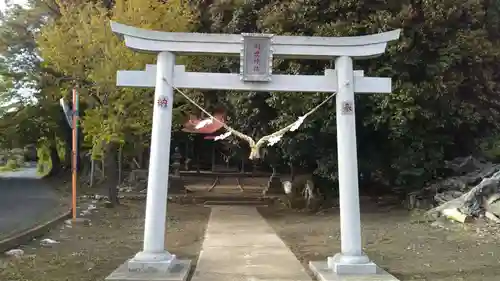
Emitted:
pixel 492 217
pixel 471 203
pixel 467 192
pixel 84 221
pixel 15 253
pixel 108 204
pixel 464 165
pixel 456 215
pixel 125 189
pixel 447 196
pixel 493 204
pixel 274 186
pixel 48 242
pixel 176 185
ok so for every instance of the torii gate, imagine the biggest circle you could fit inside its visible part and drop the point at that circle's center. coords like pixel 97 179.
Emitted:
pixel 256 52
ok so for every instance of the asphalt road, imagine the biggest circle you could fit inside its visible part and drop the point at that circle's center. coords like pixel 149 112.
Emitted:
pixel 25 200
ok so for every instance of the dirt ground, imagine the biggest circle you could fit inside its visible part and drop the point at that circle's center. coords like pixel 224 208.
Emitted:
pixel 93 252
pixel 393 238
pixel 397 242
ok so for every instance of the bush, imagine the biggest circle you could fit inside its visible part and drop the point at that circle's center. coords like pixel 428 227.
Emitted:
pixel 490 148
pixel 11 165
pixel 44 165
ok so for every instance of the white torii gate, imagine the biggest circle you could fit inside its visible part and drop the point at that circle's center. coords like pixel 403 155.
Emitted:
pixel 256 52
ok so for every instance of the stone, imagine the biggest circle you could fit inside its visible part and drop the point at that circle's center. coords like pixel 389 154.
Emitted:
pixel 79 221
pixel 351 265
pixel 493 204
pixel 274 186
pixel 324 273
pixel 177 272
pixel 14 253
pixel 176 185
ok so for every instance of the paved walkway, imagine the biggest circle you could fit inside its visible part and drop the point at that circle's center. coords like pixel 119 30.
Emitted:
pixel 24 201
pixel 240 246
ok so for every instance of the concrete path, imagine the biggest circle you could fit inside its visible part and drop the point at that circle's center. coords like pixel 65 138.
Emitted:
pixel 239 245
pixel 24 201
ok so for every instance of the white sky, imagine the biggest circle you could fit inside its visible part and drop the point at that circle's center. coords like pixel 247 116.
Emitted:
pixel 20 2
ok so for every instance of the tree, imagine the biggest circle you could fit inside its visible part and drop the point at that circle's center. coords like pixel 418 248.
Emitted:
pixel 33 115
pixel 80 44
pixel 445 77
pixel 444 70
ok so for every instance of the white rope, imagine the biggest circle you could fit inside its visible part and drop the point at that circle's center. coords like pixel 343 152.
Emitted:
pixel 270 139
pixel 239 134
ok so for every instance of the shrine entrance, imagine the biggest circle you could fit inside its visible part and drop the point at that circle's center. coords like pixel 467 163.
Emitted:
pixel 256 52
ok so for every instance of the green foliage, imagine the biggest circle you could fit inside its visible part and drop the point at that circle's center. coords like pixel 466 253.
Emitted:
pixel 490 147
pixel 44 164
pixel 11 165
pixel 81 45
pixel 28 107
pixel 445 71
pixel 445 80
pixel 13 159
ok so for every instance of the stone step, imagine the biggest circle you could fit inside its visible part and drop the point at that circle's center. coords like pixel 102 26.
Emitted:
pixel 235 203
pixel 232 198
pixel 196 198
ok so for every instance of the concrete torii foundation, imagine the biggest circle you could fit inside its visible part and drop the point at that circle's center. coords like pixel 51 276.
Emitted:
pixel 156 263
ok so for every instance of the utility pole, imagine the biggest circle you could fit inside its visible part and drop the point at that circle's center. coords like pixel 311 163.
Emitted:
pixel 74 164
pixel 72 116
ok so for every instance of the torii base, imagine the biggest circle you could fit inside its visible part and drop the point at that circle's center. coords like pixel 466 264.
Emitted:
pixel 325 273
pixel 176 272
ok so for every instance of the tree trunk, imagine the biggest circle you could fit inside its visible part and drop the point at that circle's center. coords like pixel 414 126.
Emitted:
pixel 92 171
pixel 54 158
pixel 111 167
pixel 120 164
pixel 68 155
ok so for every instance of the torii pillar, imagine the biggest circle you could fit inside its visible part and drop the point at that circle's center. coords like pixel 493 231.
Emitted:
pixel 156 263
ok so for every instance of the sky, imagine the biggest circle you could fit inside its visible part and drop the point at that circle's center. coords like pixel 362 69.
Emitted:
pixel 20 2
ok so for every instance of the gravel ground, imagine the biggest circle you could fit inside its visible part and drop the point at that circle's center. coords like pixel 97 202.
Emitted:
pixel 392 238
pixel 90 253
